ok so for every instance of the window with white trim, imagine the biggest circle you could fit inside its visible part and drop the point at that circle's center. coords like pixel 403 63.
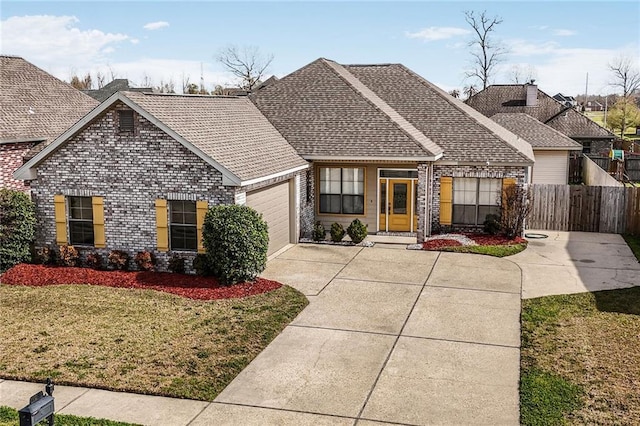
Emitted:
pixel 474 199
pixel 183 233
pixel 341 190
pixel 80 221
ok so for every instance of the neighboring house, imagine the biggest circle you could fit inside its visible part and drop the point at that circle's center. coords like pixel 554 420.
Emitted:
pixel 528 99
pixel 550 147
pixel 140 171
pixel 117 85
pixel 391 149
pixel 594 106
pixel 568 101
pixel 35 107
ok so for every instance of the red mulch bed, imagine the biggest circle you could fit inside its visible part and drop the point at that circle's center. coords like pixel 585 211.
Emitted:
pixel 191 286
pixel 480 239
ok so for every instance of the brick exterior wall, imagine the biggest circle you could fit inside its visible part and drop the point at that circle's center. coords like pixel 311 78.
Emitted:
pixel 495 172
pixel 11 155
pixel 130 170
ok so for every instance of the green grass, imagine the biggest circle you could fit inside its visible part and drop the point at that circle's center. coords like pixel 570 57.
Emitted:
pixel 580 361
pixel 9 417
pixel 496 251
pixel 140 341
pixel 633 241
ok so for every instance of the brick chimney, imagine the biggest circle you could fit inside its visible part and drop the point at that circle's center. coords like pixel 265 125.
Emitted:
pixel 532 94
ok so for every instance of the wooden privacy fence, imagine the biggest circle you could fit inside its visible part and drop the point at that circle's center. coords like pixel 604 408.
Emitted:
pixel 585 208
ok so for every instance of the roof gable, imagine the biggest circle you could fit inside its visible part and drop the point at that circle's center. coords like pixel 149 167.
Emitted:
pixel 34 105
pixel 538 134
pixel 229 133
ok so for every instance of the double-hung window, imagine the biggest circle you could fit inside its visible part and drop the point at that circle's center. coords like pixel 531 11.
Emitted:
pixel 474 199
pixel 183 225
pixel 81 221
pixel 342 190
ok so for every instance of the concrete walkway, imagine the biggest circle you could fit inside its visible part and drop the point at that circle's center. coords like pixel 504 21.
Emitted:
pixel 389 336
pixel 576 262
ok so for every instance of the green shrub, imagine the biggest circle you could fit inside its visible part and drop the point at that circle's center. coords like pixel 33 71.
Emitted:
pixel 337 232
pixel 357 231
pixel 17 228
pixel 68 256
pixel 176 264
pixel 118 260
pixel 236 240
pixel 319 233
pixel 201 265
pixel 491 224
pixel 46 255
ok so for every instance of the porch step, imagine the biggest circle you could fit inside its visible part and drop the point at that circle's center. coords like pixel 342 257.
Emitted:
pixel 391 239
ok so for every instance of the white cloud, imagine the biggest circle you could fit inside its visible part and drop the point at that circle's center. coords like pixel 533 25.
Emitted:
pixel 563 32
pixel 134 41
pixel 151 26
pixel 561 69
pixel 56 43
pixel 437 33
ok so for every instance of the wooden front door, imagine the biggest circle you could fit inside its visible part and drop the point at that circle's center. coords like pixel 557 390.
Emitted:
pixel 395 205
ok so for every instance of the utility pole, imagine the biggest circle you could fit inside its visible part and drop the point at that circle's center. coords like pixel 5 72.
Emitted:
pixel 201 79
pixel 586 91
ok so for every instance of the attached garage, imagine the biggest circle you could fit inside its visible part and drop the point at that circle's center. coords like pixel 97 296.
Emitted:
pixel 551 167
pixel 274 202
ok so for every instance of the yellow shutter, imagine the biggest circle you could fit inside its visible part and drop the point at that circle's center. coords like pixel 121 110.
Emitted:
pixel 61 219
pixel 162 227
pixel 98 222
pixel 201 210
pixel 446 200
pixel 506 183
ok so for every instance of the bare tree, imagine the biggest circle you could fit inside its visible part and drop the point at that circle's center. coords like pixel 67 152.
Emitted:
pixel 485 51
pixel 100 79
pixel 81 83
pixel 455 93
pixel 626 76
pixel 520 74
pixel 469 90
pixel 246 62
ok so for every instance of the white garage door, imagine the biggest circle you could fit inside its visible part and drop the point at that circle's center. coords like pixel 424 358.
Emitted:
pixel 551 167
pixel 273 203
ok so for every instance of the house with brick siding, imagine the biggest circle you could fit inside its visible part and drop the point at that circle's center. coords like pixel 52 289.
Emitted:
pixel 140 171
pixel 35 107
pixel 391 149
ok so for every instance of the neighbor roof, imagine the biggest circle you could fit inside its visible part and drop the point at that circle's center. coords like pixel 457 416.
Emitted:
pixel 511 98
pixel 35 105
pixel 117 85
pixel 539 135
pixel 227 132
pixel 371 112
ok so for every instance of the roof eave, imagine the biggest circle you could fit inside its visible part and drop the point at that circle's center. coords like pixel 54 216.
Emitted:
pixel 425 158
pixel 557 148
pixel 274 175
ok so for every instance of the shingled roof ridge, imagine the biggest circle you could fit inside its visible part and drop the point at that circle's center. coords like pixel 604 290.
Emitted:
pixel 516 142
pixel 402 123
pixel 182 95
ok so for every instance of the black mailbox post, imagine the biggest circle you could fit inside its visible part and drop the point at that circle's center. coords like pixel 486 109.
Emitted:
pixel 40 407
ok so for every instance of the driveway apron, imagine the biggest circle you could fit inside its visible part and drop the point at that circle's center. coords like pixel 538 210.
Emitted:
pixel 397 336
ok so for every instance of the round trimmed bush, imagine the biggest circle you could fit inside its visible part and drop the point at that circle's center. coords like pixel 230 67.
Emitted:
pixel 357 231
pixel 236 240
pixel 337 232
pixel 17 228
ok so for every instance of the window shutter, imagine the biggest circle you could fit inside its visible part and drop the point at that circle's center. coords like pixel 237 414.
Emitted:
pixel 446 200
pixel 61 219
pixel 162 226
pixel 506 183
pixel 201 211
pixel 97 203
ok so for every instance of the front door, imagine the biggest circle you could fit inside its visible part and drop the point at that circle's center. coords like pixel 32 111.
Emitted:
pixel 395 204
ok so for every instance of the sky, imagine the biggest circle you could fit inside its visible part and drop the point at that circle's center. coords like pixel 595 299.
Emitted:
pixel 556 42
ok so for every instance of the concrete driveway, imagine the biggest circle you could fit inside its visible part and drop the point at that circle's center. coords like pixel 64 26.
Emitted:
pixel 576 262
pixel 390 335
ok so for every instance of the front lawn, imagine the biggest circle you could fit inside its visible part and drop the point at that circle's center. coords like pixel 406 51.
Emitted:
pixel 490 245
pixel 135 340
pixel 633 241
pixel 580 359
pixel 9 417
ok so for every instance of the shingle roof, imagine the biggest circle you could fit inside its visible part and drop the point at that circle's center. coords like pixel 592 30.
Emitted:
pixel 230 130
pixel 380 111
pixel 539 135
pixel 464 134
pixel 35 104
pixel 511 98
pixel 323 115
pixel 117 85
